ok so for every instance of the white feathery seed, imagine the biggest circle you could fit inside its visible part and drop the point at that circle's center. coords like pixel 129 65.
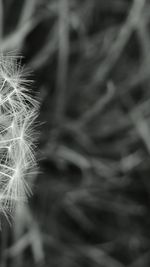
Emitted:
pixel 18 111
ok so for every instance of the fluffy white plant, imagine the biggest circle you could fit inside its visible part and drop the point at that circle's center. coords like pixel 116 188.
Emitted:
pixel 18 111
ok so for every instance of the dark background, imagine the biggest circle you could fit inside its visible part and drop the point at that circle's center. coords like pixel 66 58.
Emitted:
pixel 90 62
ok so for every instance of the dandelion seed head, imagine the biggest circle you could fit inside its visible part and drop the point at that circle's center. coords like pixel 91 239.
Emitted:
pixel 18 111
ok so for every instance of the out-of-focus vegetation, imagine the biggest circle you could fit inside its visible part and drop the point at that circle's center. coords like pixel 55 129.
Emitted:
pixel 90 61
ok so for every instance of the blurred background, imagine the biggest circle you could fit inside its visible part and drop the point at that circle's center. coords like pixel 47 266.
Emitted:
pixel 90 62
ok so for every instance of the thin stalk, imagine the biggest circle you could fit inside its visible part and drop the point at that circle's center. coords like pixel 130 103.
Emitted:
pixel 63 52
